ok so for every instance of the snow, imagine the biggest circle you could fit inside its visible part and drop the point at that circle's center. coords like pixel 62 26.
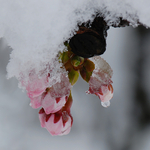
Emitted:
pixel 102 71
pixel 36 29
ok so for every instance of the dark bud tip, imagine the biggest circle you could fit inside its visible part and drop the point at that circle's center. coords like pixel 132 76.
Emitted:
pixel 88 44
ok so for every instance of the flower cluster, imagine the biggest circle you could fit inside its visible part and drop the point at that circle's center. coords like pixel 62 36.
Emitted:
pixel 56 100
pixel 58 123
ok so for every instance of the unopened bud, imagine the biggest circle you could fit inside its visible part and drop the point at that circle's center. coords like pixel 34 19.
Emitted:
pixel 77 61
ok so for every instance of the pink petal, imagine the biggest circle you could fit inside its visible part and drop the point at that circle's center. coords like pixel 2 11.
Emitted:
pixel 36 102
pixel 62 88
pixel 50 104
pixel 42 117
pixel 59 123
pixel 106 93
pixel 66 129
pixel 54 128
pixel 36 86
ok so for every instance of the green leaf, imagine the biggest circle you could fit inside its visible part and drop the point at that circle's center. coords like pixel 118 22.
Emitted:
pixel 65 57
pixel 73 76
pixel 85 74
pixel 89 65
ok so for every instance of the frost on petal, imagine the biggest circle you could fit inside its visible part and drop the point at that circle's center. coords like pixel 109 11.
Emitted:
pixel 61 88
pixel 94 85
pixel 36 85
pixel 100 81
pixel 102 71
pixel 51 104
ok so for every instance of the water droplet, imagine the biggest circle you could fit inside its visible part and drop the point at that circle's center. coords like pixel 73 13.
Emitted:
pixel 105 104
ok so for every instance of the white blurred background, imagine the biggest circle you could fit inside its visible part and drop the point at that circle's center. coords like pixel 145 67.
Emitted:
pixel 125 125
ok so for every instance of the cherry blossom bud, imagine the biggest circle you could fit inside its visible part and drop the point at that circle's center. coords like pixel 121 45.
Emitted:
pixel 100 81
pixel 58 123
pixel 56 96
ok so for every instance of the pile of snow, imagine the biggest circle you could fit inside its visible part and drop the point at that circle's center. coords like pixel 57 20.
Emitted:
pixel 36 29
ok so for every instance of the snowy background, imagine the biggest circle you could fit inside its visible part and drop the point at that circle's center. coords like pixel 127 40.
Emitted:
pixel 35 30
pixel 123 126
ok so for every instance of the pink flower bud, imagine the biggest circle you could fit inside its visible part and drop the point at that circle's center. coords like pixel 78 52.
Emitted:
pixel 103 91
pixel 51 99
pixel 100 81
pixel 105 94
pixel 56 97
pixel 51 104
pixel 58 123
